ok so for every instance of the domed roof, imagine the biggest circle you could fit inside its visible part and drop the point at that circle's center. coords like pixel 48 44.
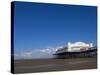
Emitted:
pixel 80 44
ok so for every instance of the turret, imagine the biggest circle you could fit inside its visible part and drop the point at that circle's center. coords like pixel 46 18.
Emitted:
pixel 91 45
pixel 69 46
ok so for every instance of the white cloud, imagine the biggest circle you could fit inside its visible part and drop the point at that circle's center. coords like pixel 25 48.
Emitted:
pixel 26 55
pixel 37 53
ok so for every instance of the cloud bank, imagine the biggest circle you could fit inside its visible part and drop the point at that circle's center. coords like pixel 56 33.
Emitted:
pixel 36 54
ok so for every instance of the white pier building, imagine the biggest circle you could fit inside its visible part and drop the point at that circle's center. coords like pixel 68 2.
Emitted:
pixel 78 46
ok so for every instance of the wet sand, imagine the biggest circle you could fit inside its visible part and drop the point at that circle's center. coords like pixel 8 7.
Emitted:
pixel 46 65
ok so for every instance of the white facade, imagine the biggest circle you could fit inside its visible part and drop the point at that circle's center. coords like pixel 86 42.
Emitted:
pixel 78 46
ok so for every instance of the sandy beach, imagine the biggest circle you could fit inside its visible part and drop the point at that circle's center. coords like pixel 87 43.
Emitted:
pixel 46 65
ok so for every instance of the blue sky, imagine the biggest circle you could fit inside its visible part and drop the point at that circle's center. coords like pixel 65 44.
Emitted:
pixel 39 26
